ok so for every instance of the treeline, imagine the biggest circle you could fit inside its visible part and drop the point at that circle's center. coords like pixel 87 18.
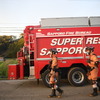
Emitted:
pixel 9 46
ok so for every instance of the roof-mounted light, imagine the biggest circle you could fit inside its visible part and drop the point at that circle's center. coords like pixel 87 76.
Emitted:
pixel 39 30
pixel 57 29
pixel 31 28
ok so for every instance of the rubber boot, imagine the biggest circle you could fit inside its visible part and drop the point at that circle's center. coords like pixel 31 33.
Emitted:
pixel 99 89
pixel 60 92
pixel 95 93
pixel 53 93
pixel 98 84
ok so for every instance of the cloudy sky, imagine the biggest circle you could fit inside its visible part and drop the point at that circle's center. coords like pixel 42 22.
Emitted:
pixel 20 13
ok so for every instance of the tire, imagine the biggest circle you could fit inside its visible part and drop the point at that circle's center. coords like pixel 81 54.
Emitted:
pixel 77 76
pixel 45 78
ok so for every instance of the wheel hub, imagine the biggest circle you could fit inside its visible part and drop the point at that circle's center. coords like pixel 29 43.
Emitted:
pixel 77 77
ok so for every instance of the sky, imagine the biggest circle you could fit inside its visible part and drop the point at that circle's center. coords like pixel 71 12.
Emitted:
pixel 16 14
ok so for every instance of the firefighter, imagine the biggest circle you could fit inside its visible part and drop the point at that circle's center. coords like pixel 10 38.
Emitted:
pixel 54 74
pixel 92 70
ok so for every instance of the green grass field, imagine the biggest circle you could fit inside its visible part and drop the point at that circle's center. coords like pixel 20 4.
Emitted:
pixel 4 67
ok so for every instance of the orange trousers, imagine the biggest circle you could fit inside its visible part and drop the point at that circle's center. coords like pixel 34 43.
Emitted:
pixel 93 74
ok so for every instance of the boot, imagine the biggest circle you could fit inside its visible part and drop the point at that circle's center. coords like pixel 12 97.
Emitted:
pixel 53 93
pixel 98 88
pixel 95 93
pixel 98 84
pixel 60 92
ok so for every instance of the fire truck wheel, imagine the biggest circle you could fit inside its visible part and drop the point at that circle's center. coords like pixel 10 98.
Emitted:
pixel 77 76
pixel 45 78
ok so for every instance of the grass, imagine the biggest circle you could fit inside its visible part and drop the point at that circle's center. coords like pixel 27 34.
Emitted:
pixel 4 67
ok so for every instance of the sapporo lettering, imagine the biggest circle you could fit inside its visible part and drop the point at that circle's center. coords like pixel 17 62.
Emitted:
pixel 72 49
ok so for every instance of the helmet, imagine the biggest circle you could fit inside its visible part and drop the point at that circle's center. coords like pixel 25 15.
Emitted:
pixel 53 50
pixel 90 48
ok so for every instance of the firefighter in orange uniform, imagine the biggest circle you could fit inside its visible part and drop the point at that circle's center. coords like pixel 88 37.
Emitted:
pixel 54 71
pixel 92 67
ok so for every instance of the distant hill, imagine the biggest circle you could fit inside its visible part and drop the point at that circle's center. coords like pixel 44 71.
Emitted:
pixel 9 47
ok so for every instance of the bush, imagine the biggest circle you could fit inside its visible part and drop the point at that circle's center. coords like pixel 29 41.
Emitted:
pixel 4 67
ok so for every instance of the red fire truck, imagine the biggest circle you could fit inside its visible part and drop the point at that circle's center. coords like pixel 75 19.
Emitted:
pixel 70 42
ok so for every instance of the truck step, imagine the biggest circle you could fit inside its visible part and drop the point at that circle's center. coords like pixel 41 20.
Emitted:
pixel 31 77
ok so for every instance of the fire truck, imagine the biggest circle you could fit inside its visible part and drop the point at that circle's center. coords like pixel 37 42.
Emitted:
pixel 70 36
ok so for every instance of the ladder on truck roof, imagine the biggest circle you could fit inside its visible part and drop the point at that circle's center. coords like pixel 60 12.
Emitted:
pixel 31 56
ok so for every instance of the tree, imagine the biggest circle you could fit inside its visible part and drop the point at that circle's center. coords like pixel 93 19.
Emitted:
pixel 4 43
pixel 14 48
pixel 9 46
